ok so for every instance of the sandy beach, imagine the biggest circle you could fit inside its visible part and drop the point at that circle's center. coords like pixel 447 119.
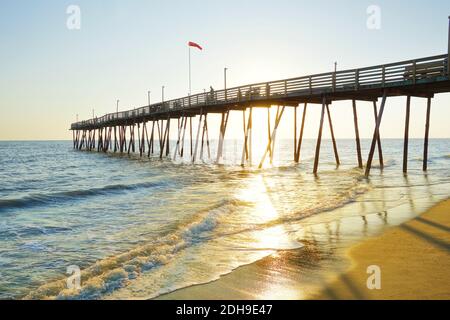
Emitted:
pixel 413 259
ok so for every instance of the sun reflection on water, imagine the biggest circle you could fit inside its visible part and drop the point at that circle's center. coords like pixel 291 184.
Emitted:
pixel 263 213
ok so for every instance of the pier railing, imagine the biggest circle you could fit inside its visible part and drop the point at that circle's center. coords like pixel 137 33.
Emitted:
pixel 403 73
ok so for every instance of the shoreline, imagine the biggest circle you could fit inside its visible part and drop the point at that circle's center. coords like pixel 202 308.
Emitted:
pixel 413 258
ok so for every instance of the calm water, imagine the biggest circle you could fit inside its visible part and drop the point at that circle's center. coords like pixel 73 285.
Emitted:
pixel 139 228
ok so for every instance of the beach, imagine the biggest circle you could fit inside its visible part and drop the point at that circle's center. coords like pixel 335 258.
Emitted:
pixel 413 258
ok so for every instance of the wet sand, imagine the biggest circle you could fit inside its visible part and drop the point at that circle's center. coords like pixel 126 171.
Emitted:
pixel 413 260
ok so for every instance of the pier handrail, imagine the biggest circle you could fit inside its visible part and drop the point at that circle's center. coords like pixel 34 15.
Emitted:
pixel 408 72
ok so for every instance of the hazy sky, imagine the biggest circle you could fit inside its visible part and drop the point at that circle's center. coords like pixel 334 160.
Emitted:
pixel 49 73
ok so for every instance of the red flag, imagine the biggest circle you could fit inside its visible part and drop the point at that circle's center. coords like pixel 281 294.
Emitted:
pixel 195 45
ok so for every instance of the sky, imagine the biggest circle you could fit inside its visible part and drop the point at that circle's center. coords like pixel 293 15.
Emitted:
pixel 49 73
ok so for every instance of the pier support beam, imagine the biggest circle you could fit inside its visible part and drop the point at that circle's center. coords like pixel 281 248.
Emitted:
pixel 177 146
pixel 93 140
pixel 100 139
pixel 142 147
pixel 121 138
pixel 184 134
pixel 108 139
pixel 223 128
pixel 115 139
pixel 168 137
pixel 269 132
pixel 295 133
pixel 244 147
pixel 205 135
pixel 358 142
pixel 207 138
pixel 336 155
pixel 190 129
pixel 273 138
pixel 124 139
pixel 271 143
pixel 427 131
pixel 159 129
pixel 380 150
pixel 165 138
pixel 194 155
pixel 152 139
pixel 131 142
pixel 300 139
pixel 405 141
pixel 319 137
pixel 80 141
pixel 77 135
pixel 375 136
pixel 247 148
pixel 139 138
pixel 88 146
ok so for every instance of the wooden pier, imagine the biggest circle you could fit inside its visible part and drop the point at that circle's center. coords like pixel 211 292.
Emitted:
pixel 422 78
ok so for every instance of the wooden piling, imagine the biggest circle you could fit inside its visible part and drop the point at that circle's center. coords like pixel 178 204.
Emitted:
pixel 336 155
pixel 358 142
pixel 427 131
pixel 168 137
pixel 144 130
pixel 273 138
pixel 159 129
pixel 300 139
pixel 207 137
pixel 108 145
pixel 245 147
pixel 375 136
pixel 380 150
pixel 115 139
pixel 194 155
pixel 89 141
pixel 131 142
pixel 249 138
pixel 270 145
pixel 184 134
pixel 177 146
pixel 165 138
pixel 134 139
pixel 295 133
pixel 190 128
pixel 223 128
pixel 203 138
pixel 319 138
pixel 100 139
pixel 152 138
pixel 246 150
pixel 269 131
pixel 406 138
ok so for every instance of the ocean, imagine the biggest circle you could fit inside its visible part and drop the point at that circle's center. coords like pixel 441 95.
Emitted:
pixel 138 228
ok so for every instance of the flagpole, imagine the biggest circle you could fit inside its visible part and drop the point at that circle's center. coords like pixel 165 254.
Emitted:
pixel 189 70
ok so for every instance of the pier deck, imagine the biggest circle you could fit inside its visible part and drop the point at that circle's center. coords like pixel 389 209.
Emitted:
pixel 422 77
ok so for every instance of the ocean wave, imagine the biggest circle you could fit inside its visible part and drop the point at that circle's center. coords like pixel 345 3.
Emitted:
pixel 61 197
pixel 114 272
